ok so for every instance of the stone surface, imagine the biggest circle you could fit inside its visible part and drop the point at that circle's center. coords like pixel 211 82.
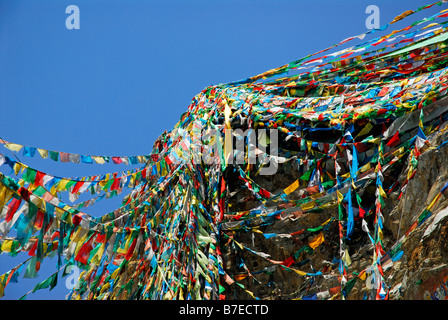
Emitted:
pixel 421 273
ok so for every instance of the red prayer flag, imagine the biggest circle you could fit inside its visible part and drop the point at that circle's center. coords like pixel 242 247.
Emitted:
pixel 168 160
pixel 39 179
pixel 264 193
pixel 395 140
pixel 84 252
pixel 131 249
pixel 362 212
pixel 39 222
pixel 77 186
pixel 116 184
pixel 288 262
pixel 32 251
pixel 383 91
pixel 12 208
pixel 116 160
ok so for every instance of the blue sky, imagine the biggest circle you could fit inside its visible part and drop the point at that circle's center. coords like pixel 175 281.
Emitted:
pixel 113 86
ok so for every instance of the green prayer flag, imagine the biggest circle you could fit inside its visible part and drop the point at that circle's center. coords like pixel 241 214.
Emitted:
pixel 54 155
pixel 69 184
pixel 30 271
pixel 307 175
pixel 39 191
pixel 108 184
pixel 50 282
pixel 30 175
pixel 349 286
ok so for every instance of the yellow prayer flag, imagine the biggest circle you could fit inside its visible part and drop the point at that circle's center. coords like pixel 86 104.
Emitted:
pixel 227 114
pixel 402 16
pixel 80 244
pixel 381 190
pixel 347 259
pixel 292 187
pixel 2 287
pixel 58 214
pixel 263 139
pixel 121 251
pixel 78 235
pixel 239 244
pixel 365 167
pixel 298 272
pixel 7 245
pixel 228 137
pixel 13 146
pixel 62 184
pixel 164 171
pixel 365 130
pixel 307 206
pixel 17 167
pixel 43 153
pixel 327 222
pixel 99 160
pixel 309 144
pixel 251 294
pixel 141 159
pixel 346 175
pixel 239 277
pixel 317 240
pixel 362 275
pixel 5 195
pixel 180 294
pixel 380 234
pixel 102 183
pixel 340 196
pixel 433 202
pixel 430 25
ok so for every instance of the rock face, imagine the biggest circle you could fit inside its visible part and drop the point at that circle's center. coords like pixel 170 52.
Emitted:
pixel 420 273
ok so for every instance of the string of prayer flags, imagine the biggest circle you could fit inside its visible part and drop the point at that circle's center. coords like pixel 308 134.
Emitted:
pixel 59 156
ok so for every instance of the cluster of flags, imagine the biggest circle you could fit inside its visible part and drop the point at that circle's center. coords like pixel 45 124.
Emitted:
pixel 344 125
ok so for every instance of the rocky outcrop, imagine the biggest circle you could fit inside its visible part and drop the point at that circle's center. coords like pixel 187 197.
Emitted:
pixel 424 265
pixel 421 272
